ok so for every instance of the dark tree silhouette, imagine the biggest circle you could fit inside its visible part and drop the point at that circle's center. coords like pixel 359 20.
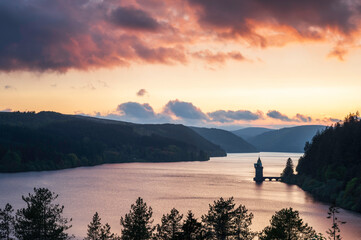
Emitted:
pixel 192 229
pixel 223 221
pixel 170 227
pixel 288 171
pixel 287 224
pixel 7 222
pixel 137 224
pixel 94 228
pixel 42 218
pixel 333 232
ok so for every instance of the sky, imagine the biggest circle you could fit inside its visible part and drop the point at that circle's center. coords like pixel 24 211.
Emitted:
pixel 227 64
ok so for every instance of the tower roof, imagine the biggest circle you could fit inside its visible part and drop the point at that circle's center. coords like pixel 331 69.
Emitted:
pixel 259 162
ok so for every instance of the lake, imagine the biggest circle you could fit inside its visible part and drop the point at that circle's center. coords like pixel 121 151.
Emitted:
pixel 110 189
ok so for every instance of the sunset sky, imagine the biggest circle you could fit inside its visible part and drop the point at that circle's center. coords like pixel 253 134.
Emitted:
pixel 229 63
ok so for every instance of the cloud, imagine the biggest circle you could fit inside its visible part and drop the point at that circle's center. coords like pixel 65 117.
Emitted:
pixel 9 87
pixel 141 92
pixel 302 118
pixel 136 110
pixel 6 110
pixel 132 18
pixel 218 57
pixel 277 115
pixel 231 116
pixel 185 110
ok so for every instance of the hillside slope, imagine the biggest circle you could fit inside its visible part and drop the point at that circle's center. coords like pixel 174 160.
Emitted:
pixel 247 133
pixel 48 140
pixel 227 140
pixel 291 139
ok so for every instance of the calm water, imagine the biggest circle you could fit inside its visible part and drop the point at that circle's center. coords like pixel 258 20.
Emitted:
pixel 110 189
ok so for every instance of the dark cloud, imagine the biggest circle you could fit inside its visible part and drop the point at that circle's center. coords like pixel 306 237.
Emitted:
pixel 184 110
pixel 237 17
pixel 6 110
pixel 277 115
pixel 141 92
pixel 302 118
pixel 231 116
pixel 136 110
pixel 132 18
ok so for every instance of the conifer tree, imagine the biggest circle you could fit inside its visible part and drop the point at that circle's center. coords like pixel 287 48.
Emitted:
pixel 42 218
pixel 94 228
pixel 137 224
pixel 171 227
pixel 288 171
pixel 7 222
pixel 287 224
pixel 192 229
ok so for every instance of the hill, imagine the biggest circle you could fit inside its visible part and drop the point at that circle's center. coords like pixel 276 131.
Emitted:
pixel 226 140
pixel 330 168
pixel 48 140
pixel 291 139
pixel 247 133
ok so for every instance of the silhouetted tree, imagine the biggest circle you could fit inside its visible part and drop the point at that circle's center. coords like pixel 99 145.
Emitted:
pixel 192 229
pixel 288 171
pixel 242 221
pixel 137 224
pixel 223 221
pixel 170 227
pixel 7 222
pixel 94 228
pixel 334 231
pixel 287 224
pixel 42 218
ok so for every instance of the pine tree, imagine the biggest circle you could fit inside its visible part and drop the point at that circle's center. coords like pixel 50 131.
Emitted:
pixel 94 228
pixel 171 227
pixel 192 229
pixel 7 222
pixel 288 171
pixel 106 234
pixel 137 224
pixel 242 221
pixel 287 224
pixel 42 218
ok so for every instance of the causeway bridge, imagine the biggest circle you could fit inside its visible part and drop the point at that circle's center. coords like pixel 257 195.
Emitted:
pixel 259 173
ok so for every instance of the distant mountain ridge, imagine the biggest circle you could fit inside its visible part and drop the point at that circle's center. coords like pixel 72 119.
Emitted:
pixel 48 141
pixel 290 139
pixel 247 133
pixel 226 140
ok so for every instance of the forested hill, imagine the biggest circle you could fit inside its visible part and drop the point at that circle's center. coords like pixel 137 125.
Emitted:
pixel 331 166
pixel 291 139
pixel 227 140
pixel 47 141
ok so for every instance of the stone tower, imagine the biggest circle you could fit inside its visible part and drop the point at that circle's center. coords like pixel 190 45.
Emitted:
pixel 259 171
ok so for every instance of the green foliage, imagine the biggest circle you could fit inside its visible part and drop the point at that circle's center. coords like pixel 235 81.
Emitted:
pixel 331 166
pixel 192 229
pixel 137 224
pixel 224 221
pixel 7 222
pixel 287 224
pixel 42 218
pixel 170 227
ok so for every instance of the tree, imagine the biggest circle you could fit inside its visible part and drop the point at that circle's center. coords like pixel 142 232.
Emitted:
pixel 334 230
pixel 170 227
pixel 242 221
pixel 7 222
pixel 287 224
pixel 223 221
pixel 97 231
pixel 288 171
pixel 192 229
pixel 42 218
pixel 137 224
